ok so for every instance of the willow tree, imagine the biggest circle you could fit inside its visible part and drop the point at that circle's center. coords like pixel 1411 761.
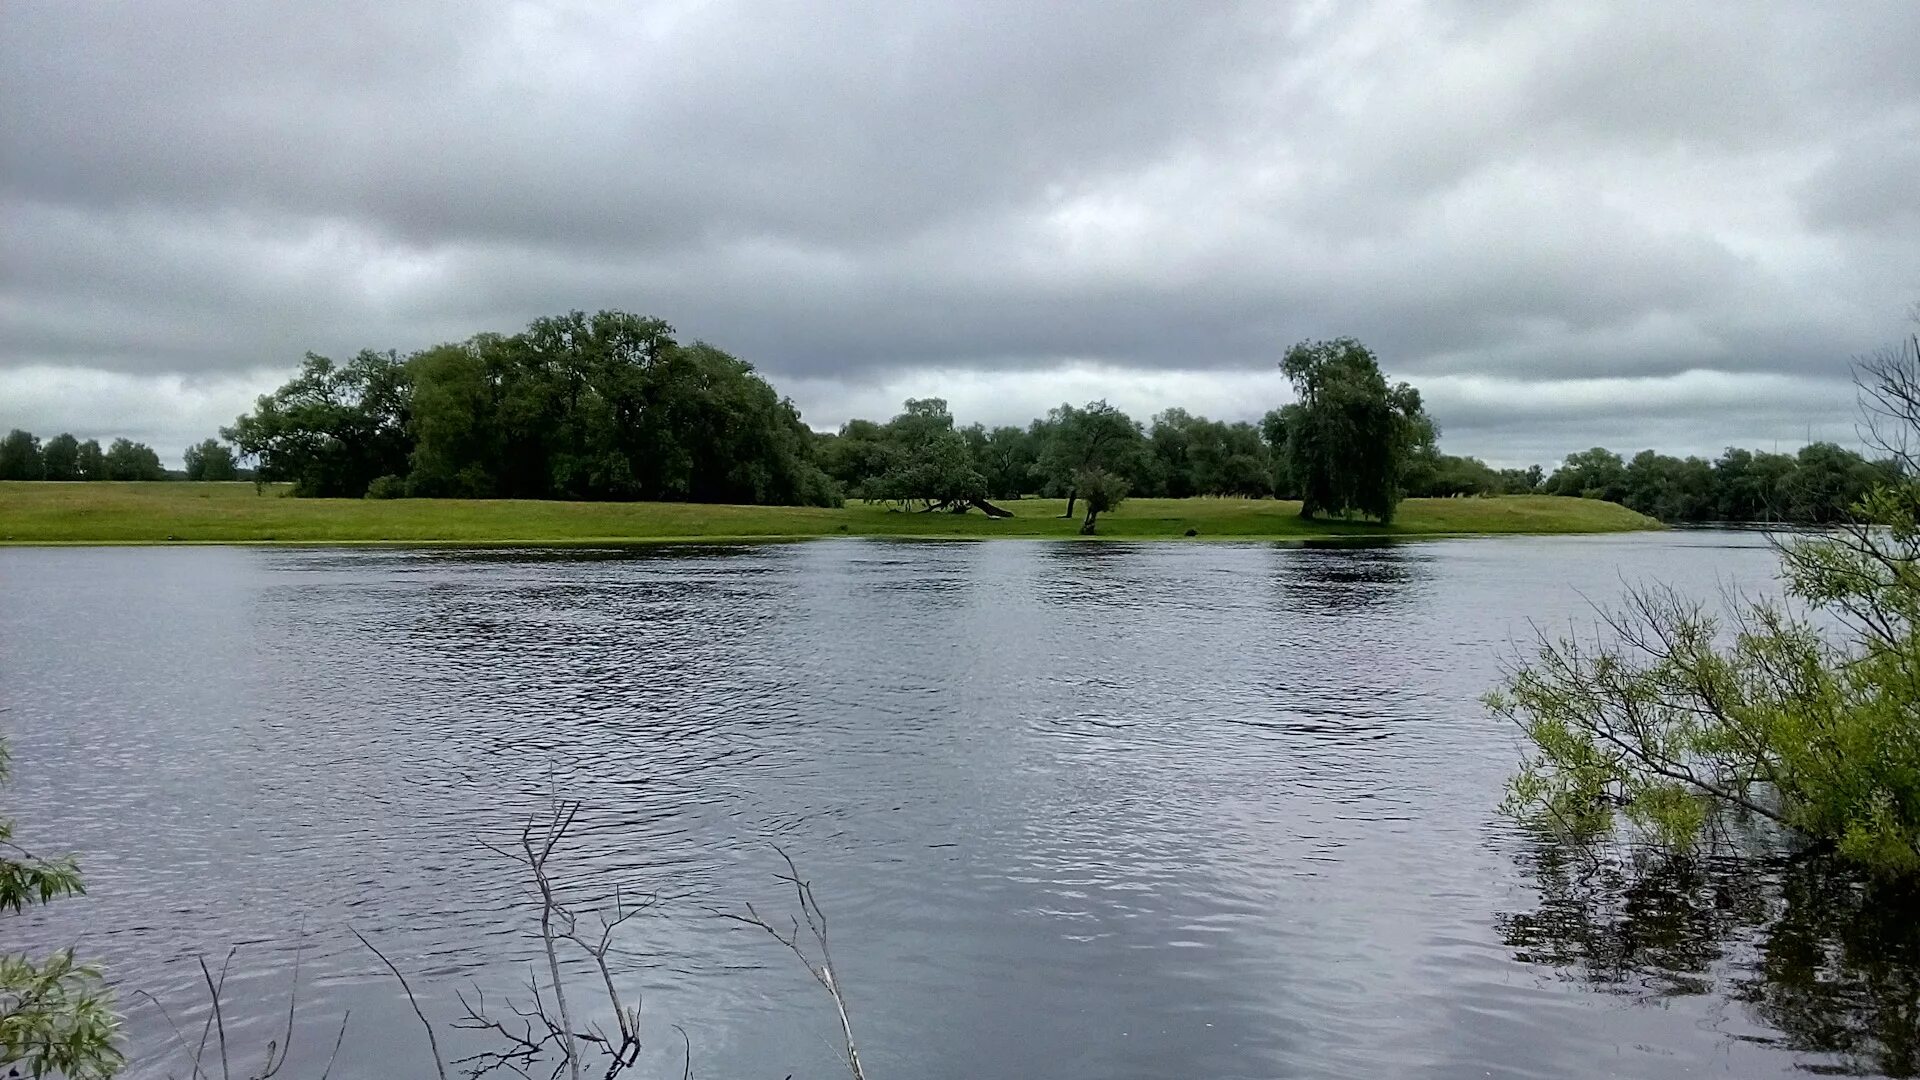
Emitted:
pixel 1347 442
pixel 1802 712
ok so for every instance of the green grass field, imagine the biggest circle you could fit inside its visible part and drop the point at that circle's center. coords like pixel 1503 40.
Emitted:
pixel 180 512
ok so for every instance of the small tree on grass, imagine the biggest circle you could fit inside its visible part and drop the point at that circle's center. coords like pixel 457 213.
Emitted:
pixel 1073 442
pixel 1102 491
pixel 56 1017
pixel 1805 712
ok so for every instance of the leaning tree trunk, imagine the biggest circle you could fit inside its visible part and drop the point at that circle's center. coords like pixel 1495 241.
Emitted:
pixel 1072 493
pixel 1086 527
pixel 991 510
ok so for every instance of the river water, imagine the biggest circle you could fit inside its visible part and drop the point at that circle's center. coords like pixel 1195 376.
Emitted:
pixel 1074 810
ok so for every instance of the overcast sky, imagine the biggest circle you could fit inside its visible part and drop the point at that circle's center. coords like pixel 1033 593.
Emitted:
pixel 1666 225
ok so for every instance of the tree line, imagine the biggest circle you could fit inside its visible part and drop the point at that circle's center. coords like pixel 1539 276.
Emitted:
pixel 1373 452
pixel 1821 484
pixel 612 406
pixel 63 457
pixel 1352 444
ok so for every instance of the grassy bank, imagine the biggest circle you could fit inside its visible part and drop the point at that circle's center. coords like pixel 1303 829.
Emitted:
pixel 110 513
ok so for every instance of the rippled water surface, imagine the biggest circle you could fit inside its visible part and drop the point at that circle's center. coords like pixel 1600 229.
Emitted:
pixel 1074 810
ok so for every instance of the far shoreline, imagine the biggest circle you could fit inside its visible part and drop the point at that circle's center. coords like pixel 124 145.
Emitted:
pixel 185 513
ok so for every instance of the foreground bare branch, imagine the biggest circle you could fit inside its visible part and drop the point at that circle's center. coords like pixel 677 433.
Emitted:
pixel 822 970
pixel 439 1066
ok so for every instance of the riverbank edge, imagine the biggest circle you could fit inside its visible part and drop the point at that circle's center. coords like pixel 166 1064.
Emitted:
pixel 1329 539
pixel 181 514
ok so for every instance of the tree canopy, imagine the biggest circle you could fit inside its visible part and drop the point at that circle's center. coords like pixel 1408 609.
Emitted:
pixel 924 460
pixel 577 406
pixel 210 460
pixel 1817 485
pixel 21 457
pixel 1349 440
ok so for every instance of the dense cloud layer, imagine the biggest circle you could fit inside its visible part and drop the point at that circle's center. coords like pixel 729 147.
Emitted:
pixel 1570 225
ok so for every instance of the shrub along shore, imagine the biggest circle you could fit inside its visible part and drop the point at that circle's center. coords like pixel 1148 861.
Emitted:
pixel 239 513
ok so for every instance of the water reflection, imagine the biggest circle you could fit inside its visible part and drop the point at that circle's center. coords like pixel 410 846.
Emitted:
pixel 1344 579
pixel 1827 960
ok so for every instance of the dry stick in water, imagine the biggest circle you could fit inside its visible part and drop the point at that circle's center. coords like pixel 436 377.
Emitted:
pixel 539 1030
pixel 293 998
pixel 278 1050
pixel 817 926
pixel 214 1018
pixel 179 1035
pixel 432 1043
pixel 337 1040
pixel 686 1069
pixel 563 815
pixel 628 1050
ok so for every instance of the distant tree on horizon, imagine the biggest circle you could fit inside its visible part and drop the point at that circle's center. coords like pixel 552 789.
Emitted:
pixel 89 462
pixel 61 457
pixel 20 457
pixel 129 460
pixel 211 459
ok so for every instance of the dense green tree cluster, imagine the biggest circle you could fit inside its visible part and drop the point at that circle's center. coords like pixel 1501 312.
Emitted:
pixel 1818 485
pixel 1351 444
pixel 577 406
pixel 63 457
pixel 1356 443
pixel 1191 455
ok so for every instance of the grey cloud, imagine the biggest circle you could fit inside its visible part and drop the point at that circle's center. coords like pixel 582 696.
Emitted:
pixel 857 197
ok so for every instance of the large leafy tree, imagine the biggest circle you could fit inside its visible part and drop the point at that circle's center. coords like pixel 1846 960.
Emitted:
pixel 1826 481
pixel 1102 491
pixel 62 457
pixel 605 406
pixel 90 462
pixel 56 1016
pixel 1670 488
pixel 1192 455
pixel 129 460
pixel 860 452
pixel 929 462
pixel 1593 474
pixel 1748 485
pixel 334 428
pixel 20 457
pixel 1075 441
pixel 1003 456
pixel 210 460
pixel 1347 442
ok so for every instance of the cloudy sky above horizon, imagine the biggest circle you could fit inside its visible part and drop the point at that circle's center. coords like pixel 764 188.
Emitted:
pixel 1661 225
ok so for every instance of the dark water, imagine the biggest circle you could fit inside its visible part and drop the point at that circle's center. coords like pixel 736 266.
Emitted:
pixel 1075 810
